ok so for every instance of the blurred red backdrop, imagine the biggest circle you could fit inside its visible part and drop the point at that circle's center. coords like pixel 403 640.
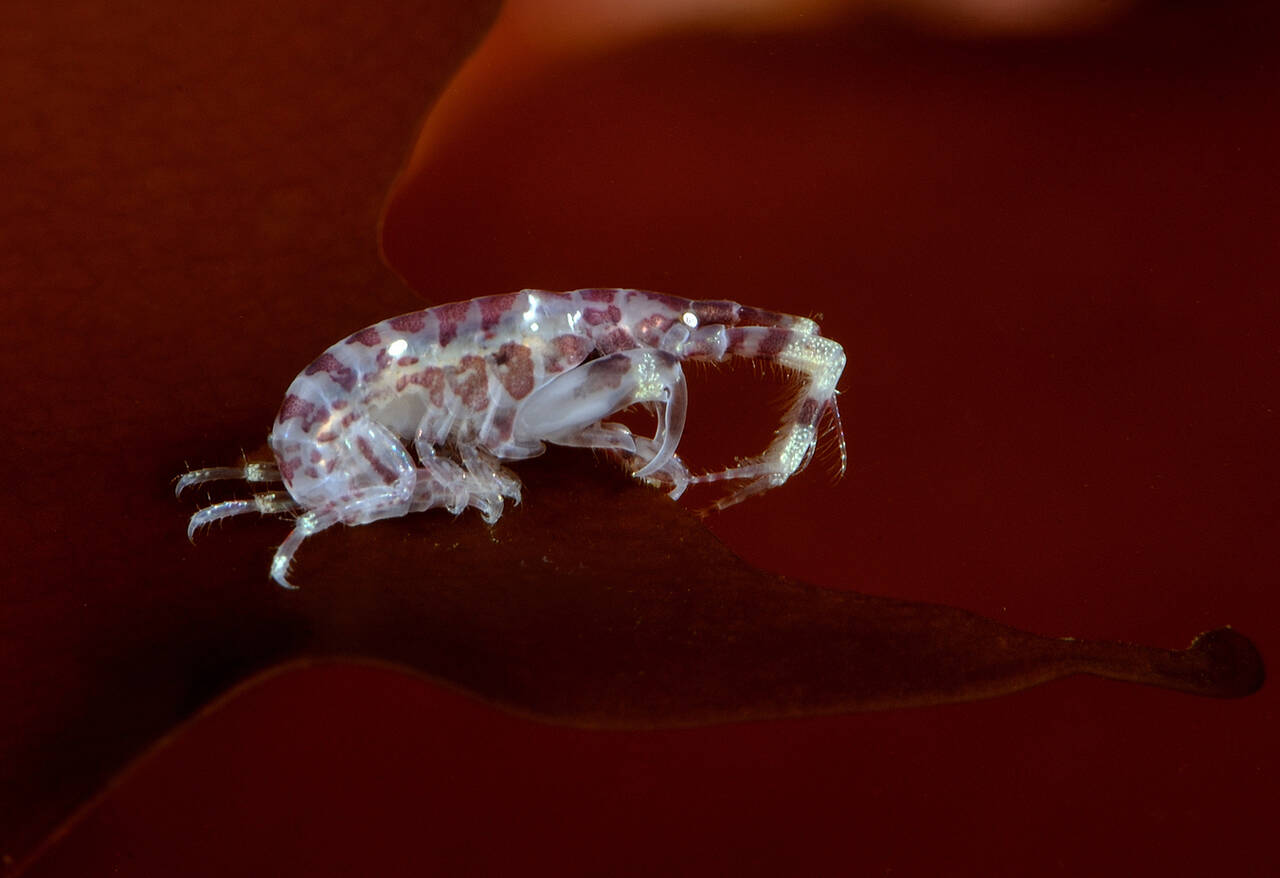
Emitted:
pixel 1053 264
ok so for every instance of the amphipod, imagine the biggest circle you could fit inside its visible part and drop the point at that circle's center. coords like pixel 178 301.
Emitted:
pixel 420 411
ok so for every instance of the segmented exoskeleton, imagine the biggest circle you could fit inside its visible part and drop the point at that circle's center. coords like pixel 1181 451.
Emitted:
pixel 471 384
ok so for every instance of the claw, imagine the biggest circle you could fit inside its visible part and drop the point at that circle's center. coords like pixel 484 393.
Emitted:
pixel 673 476
pixel 307 524
pixel 280 572
pixel 250 472
pixel 267 504
pixel 212 474
pixel 213 513
pixel 605 434
pixel 670 429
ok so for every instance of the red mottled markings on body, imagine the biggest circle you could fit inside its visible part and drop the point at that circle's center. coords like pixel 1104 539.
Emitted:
pixel 715 312
pixel 448 317
pixel 652 328
pixel 616 339
pixel 288 468
pixel 468 382
pixel 605 374
pixel 384 472
pixel 673 304
pixel 367 337
pixel 570 350
pixel 749 343
pixel 773 342
pixel 466 402
pixel 808 415
pixel 494 308
pixel 597 316
pixel 294 407
pixel 308 413
pixel 343 376
pixel 409 322
pixel 748 316
pixel 431 379
pixel 503 423
pixel 515 369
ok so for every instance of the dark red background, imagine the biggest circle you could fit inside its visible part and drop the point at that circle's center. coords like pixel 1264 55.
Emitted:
pixel 1053 266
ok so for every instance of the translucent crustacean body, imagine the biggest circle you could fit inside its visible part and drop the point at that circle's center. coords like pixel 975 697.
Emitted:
pixel 471 384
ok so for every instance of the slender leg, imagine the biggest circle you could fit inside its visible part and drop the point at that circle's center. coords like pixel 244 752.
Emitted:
pixel 490 482
pixel 570 410
pixel 672 475
pixel 604 435
pixel 269 503
pixel 818 361
pixel 308 524
pixel 256 471
pixel 440 484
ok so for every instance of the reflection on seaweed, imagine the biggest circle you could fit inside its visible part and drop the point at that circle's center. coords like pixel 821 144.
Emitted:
pixel 645 619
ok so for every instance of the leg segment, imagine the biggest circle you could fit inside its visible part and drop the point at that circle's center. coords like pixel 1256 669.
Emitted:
pixel 818 361
pixel 268 503
pixel 602 435
pixel 481 481
pixel 372 477
pixel 257 471
pixel 672 476
pixel 490 482
pixel 570 409
pixel 308 523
